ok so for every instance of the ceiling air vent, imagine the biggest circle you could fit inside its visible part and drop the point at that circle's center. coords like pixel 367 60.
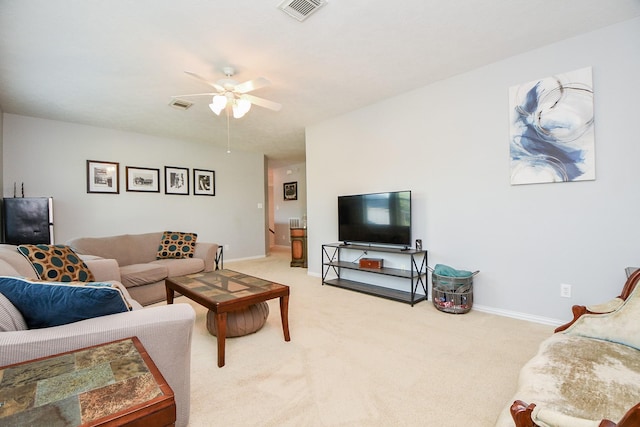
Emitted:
pixel 300 9
pixel 180 104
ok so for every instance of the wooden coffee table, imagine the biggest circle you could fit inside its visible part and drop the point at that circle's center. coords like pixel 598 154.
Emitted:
pixel 223 291
pixel 109 384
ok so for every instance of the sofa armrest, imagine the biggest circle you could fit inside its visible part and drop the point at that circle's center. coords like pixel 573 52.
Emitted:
pixel 531 416
pixel 598 320
pixel 607 307
pixel 208 253
pixel 547 417
pixel 165 331
pixel 103 269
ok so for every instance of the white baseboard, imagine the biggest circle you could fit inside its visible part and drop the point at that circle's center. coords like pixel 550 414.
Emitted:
pixel 519 315
pixel 245 259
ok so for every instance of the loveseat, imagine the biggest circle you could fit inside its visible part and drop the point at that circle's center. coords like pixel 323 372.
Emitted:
pixel 139 269
pixel 588 373
pixel 165 331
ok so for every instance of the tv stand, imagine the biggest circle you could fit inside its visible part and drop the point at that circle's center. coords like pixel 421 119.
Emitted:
pixel 333 260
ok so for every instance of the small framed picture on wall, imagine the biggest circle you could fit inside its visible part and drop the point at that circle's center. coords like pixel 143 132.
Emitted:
pixel 290 190
pixel 143 179
pixel 176 180
pixel 204 182
pixel 103 177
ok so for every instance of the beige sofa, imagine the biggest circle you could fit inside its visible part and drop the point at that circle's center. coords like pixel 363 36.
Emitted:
pixel 165 331
pixel 588 373
pixel 139 271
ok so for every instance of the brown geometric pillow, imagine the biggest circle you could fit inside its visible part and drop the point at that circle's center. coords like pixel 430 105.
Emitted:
pixel 177 245
pixel 56 263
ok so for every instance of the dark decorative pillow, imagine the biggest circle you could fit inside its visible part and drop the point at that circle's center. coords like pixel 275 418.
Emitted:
pixel 57 263
pixel 45 304
pixel 177 245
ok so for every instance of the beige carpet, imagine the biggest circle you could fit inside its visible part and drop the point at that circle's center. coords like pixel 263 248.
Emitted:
pixel 357 360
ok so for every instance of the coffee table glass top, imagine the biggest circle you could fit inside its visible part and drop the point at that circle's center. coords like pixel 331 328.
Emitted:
pixel 225 285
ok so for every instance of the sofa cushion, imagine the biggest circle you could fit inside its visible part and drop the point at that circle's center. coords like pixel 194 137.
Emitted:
pixel 10 317
pixel 46 304
pixel 127 249
pixel 581 377
pixel 7 269
pixel 56 263
pixel 180 267
pixel 142 274
pixel 176 244
pixel 10 254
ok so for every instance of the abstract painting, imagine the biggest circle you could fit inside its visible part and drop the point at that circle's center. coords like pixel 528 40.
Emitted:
pixel 551 129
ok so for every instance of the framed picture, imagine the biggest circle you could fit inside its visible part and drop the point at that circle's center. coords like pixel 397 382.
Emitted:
pixel 552 136
pixel 103 177
pixel 290 190
pixel 204 182
pixel 143 179
pixel 176 180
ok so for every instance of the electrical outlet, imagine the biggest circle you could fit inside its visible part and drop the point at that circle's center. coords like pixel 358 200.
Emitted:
pixel 565 290
pixel 226 247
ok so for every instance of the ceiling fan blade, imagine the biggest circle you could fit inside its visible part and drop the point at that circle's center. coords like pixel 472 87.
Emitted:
pixel 251 85
pixel 261 102
pixel 195 94
pixel 202 79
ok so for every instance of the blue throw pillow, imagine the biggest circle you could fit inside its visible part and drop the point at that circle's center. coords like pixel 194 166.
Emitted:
pixel 45 304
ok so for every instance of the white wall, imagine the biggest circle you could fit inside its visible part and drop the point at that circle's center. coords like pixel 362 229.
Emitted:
pixel 448 143
pixel 1 149
pixel 285 209
pixel 50 158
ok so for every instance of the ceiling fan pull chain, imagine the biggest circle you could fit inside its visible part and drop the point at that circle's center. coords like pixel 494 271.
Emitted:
pixel 228 134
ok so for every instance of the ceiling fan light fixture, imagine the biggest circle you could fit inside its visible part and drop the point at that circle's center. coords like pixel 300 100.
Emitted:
pixel 218 103
pixel 237 111
pixel 244 105
pixel 232 96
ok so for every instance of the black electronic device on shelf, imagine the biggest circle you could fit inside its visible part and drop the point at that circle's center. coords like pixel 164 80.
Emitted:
pixel 375 218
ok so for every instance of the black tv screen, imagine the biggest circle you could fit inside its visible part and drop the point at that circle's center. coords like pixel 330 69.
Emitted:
pixel 382 218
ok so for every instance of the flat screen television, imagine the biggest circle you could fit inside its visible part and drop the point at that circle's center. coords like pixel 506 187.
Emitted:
pixel 376 218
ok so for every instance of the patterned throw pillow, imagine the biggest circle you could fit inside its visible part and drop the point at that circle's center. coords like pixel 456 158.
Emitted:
pixel 58 263
pixel 46 304
pixel 177 245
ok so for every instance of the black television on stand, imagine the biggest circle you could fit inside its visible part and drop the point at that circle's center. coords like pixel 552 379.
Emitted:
pixel 375 219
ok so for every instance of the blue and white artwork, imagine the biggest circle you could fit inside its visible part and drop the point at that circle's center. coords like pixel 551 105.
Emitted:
pixel 551 129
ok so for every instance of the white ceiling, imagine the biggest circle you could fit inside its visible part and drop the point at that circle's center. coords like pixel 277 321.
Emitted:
pixel 116 63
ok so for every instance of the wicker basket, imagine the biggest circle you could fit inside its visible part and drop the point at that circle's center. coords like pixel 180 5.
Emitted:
pixel 452 294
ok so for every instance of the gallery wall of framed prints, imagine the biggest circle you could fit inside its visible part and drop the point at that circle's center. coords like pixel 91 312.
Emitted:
pixel 103 177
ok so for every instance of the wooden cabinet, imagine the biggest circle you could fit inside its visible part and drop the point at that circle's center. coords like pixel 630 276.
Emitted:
pixel 298 247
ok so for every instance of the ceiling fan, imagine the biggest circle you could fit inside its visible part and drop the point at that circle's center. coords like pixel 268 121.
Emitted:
pixel 230 93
